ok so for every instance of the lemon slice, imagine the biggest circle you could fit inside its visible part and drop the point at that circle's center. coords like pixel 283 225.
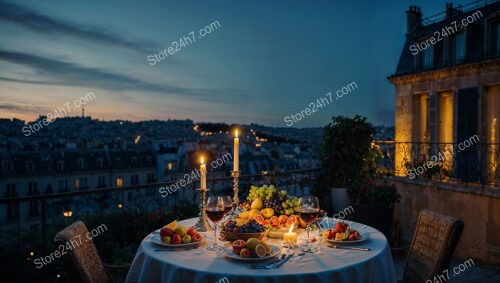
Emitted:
pixel 172 225
pixel 260 251
pixel 339 236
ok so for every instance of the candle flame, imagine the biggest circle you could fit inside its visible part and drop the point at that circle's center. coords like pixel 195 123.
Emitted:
pixel 291 229
pixel 202 160
pixel 236 133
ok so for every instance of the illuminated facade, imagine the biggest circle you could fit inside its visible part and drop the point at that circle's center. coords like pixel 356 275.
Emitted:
pixel 448 90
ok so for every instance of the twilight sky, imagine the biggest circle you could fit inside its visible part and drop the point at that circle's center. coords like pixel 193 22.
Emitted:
pixel 267 59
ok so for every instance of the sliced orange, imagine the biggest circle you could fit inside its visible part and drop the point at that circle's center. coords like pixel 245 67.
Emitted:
pixel 172 225
pixel 339 236
pixel 260 251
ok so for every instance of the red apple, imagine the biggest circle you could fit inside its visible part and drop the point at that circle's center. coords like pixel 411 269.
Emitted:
pixel 165 231
pixel 191 231
pixel 176 239
pixel 196 237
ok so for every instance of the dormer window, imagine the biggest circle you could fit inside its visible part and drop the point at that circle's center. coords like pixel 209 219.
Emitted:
pixel 60 165
pixel 133 160
pixel 100 163
pixel 495 38
pixel 81 163
pixel 7 166
pixel 30 167
pixel 457 46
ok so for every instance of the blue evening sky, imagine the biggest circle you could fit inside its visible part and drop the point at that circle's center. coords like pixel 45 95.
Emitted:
pixel 267 60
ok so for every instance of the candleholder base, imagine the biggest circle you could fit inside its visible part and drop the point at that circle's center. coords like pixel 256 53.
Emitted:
pixel 203 225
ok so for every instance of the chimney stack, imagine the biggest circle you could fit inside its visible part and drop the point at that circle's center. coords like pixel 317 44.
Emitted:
pixel 414 18
pixel 450 11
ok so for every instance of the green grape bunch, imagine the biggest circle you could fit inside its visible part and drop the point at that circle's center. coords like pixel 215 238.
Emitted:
pixel 279 201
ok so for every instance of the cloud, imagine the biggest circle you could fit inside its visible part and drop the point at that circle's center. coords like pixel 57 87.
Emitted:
pixel 14 107
pixel 71 74
pixel 44 24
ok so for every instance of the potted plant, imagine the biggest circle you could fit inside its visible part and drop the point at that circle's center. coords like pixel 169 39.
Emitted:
pixel 373 204
pixel 346 157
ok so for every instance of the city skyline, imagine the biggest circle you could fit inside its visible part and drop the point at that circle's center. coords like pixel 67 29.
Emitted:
pixel 256 66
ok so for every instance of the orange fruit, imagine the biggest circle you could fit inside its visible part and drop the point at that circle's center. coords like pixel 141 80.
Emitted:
pixel 339 236
pixel 172 225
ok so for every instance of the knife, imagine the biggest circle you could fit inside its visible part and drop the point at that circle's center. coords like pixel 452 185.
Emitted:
pixel 350 248
pixel 283 261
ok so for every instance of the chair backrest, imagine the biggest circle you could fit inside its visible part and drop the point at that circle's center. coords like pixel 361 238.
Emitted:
pixel 82 260
pixel 434 241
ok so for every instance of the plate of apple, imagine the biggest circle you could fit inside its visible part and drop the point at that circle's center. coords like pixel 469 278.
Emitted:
pixel 175 235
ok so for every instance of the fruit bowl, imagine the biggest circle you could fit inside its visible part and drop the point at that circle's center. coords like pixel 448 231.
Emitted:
pixel 230 236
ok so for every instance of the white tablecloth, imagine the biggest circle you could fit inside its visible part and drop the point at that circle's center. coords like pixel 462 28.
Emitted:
pixel 328 265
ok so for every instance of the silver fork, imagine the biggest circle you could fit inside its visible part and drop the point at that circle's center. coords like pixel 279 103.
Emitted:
pixel 268 266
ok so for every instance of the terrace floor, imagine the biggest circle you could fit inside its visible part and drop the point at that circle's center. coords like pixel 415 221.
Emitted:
pixel 475 273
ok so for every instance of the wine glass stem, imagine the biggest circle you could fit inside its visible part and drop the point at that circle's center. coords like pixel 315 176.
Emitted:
pixel 307 228
pixel 215 234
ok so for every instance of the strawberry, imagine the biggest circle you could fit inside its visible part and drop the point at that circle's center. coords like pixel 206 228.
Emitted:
pixel 339 228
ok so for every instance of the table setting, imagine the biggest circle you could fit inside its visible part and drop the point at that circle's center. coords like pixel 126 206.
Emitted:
pixel 270 237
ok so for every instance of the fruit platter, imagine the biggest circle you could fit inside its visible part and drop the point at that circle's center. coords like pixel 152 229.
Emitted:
pixel 275 210
pixel 176 235
pixel 242 230
pixel 342 233
pixel 252 249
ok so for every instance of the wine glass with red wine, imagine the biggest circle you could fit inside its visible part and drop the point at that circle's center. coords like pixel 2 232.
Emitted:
pixel 228 204
pixel 215 209
pixel 308 212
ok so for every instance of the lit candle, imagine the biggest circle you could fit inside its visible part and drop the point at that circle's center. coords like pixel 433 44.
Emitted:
pixel 236 166
pixel 203 169
pixel 291 237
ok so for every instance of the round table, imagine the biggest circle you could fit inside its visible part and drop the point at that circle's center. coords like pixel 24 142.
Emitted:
pixel 327 265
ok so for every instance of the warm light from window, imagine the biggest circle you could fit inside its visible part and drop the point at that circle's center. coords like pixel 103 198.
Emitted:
pixel 120 205
pixel 119 182
pixel 169 166
pixel 137 139
pixel 68 213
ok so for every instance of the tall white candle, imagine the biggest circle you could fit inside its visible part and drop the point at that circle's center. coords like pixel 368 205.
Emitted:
pixel 236 154
pixel 203 169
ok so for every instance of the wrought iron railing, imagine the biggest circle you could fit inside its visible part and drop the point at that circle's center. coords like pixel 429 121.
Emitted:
pixel 53 207
pixel 447 162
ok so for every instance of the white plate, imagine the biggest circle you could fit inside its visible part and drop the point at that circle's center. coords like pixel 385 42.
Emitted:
pixel 228 252
pixel 364 237
pixel 156 240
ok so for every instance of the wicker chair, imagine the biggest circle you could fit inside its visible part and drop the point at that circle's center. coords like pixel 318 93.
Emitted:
pixel 83 262
pixel 434 241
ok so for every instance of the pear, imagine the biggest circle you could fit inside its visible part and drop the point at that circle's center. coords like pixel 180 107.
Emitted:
pixel 257 204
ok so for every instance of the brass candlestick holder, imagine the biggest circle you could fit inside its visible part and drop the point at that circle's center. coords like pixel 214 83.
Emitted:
pixel 236 200
pixel 202 225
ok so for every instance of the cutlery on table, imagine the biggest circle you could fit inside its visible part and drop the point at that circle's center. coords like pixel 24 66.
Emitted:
pixel 283 261
pixel 350 248
pixel 268 266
